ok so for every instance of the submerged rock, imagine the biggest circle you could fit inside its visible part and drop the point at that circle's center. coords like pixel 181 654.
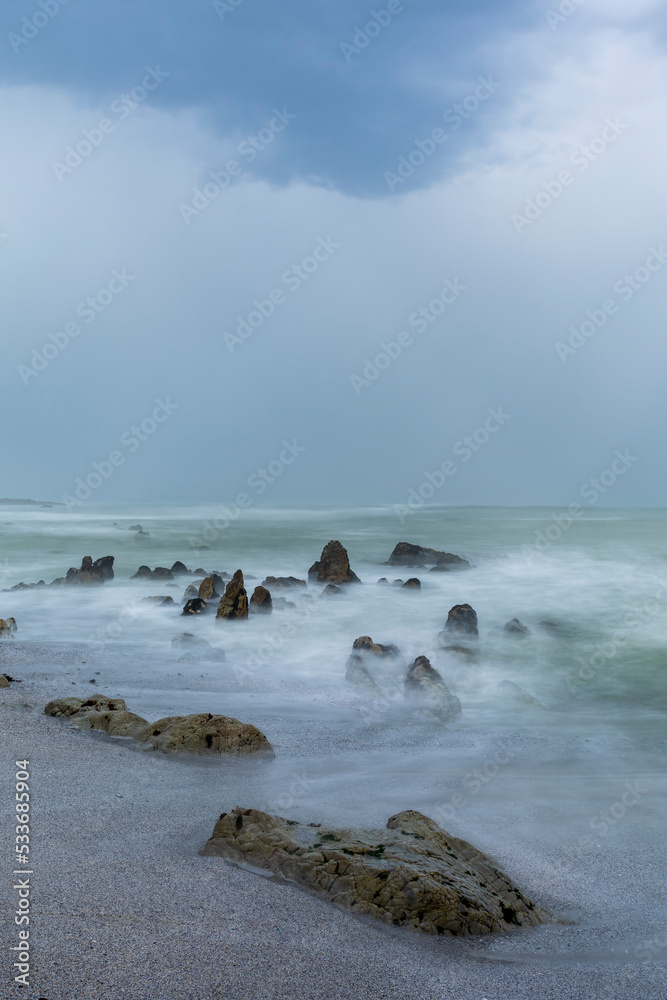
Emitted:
pixel 407 554
pixel 161 599
pixel 283 582
pixel 234 602
pixel 518 695
pixel 462 620
pixel 413 583
pixel 190 592
pixel 205 735
pixel 333 566
pixel 411 874
pixel 90 572
pixel 514 627
pixel 331 590
pixel 260 602
pixel 424 685
pixel 370 664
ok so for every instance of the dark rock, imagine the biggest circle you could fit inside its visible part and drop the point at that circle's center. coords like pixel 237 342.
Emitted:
pixel 91 572
pixel 205 735
pixel 64 707
pixel 260 602
pixel 398 583
pixel 160 600
pixel 141 536
pixel 331 589
pixel 136 527
pixel 407 554
pixel 105 564
pixel 514 627
pixel 143 573
pixel 413 583
pixel 162 573
pixel 425 685
pixel 180 569
pixel 234 602
pixel 333 566
pixel 194 606
pixel 462 620
pixel 383 580
pixel 190 592
pixel 283 582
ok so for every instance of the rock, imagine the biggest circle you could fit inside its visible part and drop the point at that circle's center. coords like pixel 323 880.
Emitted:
pixel 188 639
pixel 162 573
pixel 281 603
pixel 200 572
pixel 462 620
pixel 135 527
pixel 331 590
pixel 383 580
pixel 8 626
pixel 4 683
pixel 260 602
pixel 207 590
pixel 105 565
pixel 63 707
pixel 425 685
pixel 160 600
pixel 362 665
pixel 282 582
pixel 519 696
pixel 413 583
pixel 141 536
pixel 143 573
pixel 407 554
pixel 91 572
pixel 190 592
pixel 194 606
pixel 205 735
pixel 398 583
pixel 411 874
pixel 180 569
pixel 118 723
pixel 333 566
pixel 514 627
pixel 234 602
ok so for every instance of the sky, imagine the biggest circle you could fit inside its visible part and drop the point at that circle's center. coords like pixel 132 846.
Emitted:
pixel 333 252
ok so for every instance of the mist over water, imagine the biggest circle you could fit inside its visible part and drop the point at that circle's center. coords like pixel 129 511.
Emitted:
pixel 558 785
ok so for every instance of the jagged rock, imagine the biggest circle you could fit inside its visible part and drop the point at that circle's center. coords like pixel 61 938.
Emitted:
pixel 413 583
pixel 190 592
pixel 518 695
pixel 143 573
pixel 514 627
pixel 333 566
pixel 462 620
pixel 283 582
pixel 118 723
pixel 407 554
pixel 23 586
pixel 161 599
pixel 411 874
pixel 425 685
pixel 180 569
pixel 91 572
pixel 205 735
pixel 331 590
pixel 196 648
pixel 63 707
pixel 207 590
pixel 195 606
pixel 234 601
pixel 8 626
pixel 260 602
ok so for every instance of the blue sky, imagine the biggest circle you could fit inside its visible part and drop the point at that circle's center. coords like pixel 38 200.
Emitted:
pixel 242 208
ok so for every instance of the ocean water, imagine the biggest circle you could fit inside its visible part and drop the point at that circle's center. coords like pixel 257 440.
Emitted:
pixel 570 785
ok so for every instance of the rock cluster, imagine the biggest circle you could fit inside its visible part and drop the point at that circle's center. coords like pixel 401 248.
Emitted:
pixel 333 566
pixel 411 874
pixel 407 554
pixel 89 572
pixel 203 735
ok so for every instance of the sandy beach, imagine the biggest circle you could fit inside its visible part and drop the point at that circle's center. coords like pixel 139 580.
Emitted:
pixel 123 905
